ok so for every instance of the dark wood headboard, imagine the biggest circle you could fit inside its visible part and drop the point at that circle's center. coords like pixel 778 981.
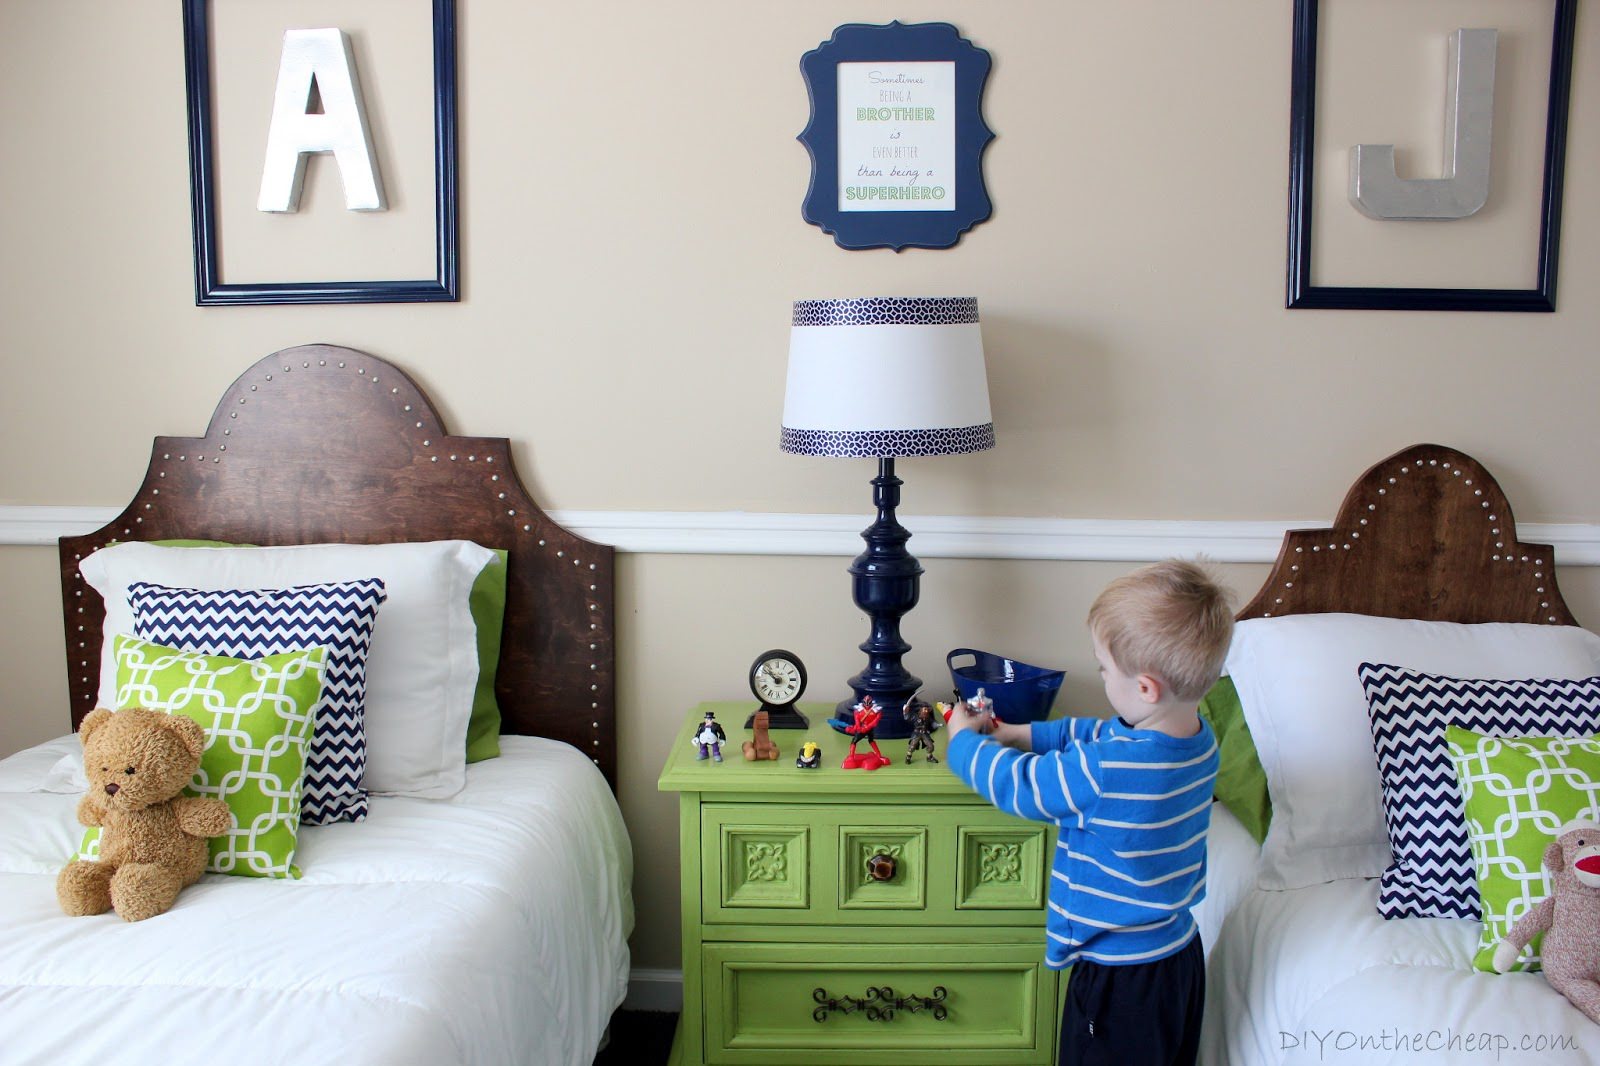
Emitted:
pixel 321 444
pixel 1426 533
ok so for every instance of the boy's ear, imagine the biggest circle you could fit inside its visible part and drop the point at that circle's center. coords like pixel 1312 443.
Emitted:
pixel 1151 688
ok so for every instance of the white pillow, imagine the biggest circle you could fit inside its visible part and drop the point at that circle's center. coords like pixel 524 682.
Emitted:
pixel 1307 713
pixel 423 665
pixel 44 767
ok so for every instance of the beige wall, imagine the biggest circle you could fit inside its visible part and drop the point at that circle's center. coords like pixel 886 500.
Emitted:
pixel 631 241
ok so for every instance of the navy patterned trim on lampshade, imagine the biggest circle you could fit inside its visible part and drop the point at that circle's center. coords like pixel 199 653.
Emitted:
pixel 887 443
pixel 888 311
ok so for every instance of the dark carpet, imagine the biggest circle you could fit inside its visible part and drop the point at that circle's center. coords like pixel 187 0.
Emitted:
pixel 639 1038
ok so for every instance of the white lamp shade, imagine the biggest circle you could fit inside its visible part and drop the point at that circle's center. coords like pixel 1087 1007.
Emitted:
pixel 886 377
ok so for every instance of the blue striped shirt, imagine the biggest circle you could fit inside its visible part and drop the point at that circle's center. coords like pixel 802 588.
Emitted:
pixel 1132 806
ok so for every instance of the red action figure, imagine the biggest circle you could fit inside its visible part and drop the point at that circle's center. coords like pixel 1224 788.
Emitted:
pixel 867 716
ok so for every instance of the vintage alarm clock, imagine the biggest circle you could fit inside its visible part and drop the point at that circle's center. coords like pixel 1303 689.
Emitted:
pixel 777 678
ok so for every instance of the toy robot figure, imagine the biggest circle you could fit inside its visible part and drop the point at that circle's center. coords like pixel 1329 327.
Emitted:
pixel 924 720
pixel 867 717
pixel 709 738
pixel 810 756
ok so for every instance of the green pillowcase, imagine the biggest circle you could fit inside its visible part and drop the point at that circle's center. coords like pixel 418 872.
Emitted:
pixel 1518 791
pixel 258 716
pixel 487 602
pixel 1241 782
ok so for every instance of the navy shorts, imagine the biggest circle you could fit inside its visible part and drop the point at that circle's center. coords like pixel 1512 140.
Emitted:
pixel 1147 1014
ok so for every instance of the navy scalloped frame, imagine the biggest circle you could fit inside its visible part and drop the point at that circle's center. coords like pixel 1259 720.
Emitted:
pixel 209 289
pixel 895 43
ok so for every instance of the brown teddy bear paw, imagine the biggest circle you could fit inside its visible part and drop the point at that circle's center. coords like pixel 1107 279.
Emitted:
pixel 142 890
pixel 84 888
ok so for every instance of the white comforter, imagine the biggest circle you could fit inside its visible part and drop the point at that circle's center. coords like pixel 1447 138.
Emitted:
pixel 488 928
pixel 1314 975
pixel 1231 857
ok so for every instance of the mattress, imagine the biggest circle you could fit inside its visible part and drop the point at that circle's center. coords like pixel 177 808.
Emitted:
pixel 487 928
pixel 1315 975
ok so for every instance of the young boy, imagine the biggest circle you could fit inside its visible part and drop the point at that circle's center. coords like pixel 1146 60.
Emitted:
pixel 1131 796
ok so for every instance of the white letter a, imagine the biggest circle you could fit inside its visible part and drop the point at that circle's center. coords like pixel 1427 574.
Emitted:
pixel 323 57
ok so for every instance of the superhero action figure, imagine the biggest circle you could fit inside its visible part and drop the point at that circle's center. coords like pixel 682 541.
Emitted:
pixel 924 720
pixel 709 738
pixel 867 717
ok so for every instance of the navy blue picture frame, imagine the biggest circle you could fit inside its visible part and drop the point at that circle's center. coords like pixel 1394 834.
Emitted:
pixel 211 290
pixel 1302 293
pixel 895 43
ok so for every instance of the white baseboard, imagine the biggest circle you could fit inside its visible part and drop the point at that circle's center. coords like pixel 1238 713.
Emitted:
pixel 933 536
pixel 660 990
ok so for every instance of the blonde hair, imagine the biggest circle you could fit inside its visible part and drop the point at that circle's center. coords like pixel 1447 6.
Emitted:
pixel 1170 619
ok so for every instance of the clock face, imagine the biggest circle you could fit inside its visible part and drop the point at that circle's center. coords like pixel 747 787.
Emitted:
pixel 777 679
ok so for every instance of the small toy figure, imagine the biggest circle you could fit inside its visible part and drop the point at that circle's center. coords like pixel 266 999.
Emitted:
pixel 709 738
pixel 924 720
pixel 810 756
pixel 867 717
pixel 760 747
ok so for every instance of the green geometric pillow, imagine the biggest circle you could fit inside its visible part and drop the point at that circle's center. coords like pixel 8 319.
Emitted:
pixel 1518 792
pixel 258 716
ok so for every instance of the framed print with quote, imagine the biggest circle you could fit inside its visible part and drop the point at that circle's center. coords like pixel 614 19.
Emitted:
pixel 896 135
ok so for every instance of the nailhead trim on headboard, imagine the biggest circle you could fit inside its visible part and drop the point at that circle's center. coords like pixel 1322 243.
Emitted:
pixel 299 451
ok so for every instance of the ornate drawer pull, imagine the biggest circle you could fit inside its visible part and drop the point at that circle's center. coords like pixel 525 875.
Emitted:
pixel 844 1005
pixel 880 1004
pixel 881 867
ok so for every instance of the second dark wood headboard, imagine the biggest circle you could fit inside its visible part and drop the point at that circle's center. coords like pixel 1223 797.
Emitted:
pixel 1426 533
pixel 321 444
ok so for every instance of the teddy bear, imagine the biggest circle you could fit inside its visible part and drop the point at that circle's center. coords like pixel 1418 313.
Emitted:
pixel 152 837
pixel 1569 918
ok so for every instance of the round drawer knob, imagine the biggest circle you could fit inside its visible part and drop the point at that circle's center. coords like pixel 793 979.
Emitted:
pixel 881 867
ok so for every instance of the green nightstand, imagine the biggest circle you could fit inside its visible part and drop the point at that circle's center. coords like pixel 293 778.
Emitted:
pixel 853 917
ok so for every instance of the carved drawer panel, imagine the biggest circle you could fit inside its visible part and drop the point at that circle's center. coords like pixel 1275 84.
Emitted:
pixel 765 866
pixel 883 867
pixel 1001 867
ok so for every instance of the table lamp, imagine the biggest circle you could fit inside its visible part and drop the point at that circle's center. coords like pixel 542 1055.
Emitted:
pixel 886 378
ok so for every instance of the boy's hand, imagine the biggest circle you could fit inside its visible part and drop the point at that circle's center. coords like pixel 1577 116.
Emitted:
pixel 1013 736
pixel 963 717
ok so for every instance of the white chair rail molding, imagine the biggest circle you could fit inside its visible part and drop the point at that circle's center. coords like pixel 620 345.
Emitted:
pixel 937 536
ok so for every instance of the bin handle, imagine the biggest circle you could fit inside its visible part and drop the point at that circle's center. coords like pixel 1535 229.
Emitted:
pixel 949 660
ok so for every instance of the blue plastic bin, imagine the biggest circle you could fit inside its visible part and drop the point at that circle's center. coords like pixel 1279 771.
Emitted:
pixel 1021 692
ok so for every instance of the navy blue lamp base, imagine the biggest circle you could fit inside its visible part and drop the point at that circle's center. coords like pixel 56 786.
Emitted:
pixel 885 581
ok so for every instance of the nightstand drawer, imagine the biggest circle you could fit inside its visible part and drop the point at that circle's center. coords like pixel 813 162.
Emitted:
pixel 886 1002
pixel 840 863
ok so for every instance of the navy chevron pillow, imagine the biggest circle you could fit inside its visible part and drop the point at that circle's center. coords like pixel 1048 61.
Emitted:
pixel 250 624
pixel 1432 875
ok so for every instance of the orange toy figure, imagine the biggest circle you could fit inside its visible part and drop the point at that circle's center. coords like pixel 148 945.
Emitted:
pixel 760 746
pixel 867 716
